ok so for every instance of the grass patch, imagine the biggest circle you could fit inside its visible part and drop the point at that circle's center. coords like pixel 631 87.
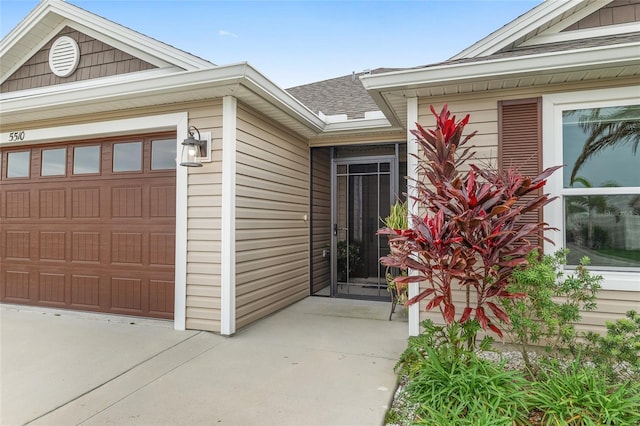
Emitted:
pixel 622 254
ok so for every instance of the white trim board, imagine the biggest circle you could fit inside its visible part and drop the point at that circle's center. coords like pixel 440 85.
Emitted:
pixel 412 172
pixel 228 228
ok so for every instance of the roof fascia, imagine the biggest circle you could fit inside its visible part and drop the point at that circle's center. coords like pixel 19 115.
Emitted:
pixel 118 34
pixel 504 67
pixel 129 36
pixel 226 78
pixel 609 30
pixel 280 98
pixel 24 26
pixel 525 24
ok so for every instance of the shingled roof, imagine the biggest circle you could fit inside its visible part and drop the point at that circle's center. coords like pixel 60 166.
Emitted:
pixel 340 95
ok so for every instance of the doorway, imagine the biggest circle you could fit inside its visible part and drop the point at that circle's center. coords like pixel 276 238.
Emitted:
pixel 363 191
pixel 352 190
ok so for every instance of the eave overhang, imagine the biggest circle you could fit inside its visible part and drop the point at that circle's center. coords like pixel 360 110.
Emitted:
pixel 104 95
pixel 390 90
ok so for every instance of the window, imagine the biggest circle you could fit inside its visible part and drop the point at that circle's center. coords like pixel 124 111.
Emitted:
pixel 163 154
pixel 596 135
pixel 18 164
pixel 127 157
pixel 598 149
pixel 53 162
pixel 86 160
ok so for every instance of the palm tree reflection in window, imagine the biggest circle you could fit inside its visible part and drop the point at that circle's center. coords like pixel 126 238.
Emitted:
pixel 613 128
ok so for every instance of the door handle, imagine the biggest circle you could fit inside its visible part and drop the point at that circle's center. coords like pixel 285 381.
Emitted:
pixel 336 229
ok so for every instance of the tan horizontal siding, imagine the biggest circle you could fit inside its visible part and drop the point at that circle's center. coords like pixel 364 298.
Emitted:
pixel 272 197
pixel 483 110
pixel 204 206
pixel 321 219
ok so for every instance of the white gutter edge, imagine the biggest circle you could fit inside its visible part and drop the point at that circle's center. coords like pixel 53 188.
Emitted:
pixel 511 66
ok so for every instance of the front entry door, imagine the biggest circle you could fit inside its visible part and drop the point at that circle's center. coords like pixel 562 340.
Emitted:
pixel 363 191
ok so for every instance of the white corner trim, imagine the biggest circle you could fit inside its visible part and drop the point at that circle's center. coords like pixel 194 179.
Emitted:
pixel 180 273
pixel 228 231
pixel 412 171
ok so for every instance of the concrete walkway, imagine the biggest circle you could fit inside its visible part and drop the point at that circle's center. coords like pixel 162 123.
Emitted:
pixel 319 362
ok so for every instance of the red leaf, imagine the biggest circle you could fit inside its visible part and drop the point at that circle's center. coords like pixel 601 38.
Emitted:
pixel 466 314
pixel 495 330
pixel 508 295
pixel 482 318
pixel 449 312
pixel 499 313
pixel 434 302
pixel 415 299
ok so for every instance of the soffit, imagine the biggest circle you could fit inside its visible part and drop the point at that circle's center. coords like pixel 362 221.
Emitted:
pixel 489 75
pixel 239 80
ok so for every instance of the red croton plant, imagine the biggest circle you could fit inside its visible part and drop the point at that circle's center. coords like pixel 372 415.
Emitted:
pixel 467 232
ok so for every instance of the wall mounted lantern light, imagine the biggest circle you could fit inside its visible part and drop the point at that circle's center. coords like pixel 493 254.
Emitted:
pixel 193 149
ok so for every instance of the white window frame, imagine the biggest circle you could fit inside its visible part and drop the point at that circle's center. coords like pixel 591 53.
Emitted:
pixel 552 109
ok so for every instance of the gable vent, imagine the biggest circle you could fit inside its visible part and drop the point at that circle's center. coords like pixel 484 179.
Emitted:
pixel 64 56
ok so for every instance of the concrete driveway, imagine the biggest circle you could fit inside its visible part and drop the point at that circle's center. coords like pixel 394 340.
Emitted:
pixel 319 362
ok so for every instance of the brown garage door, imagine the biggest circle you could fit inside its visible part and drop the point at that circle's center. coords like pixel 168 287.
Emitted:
pixel 90 225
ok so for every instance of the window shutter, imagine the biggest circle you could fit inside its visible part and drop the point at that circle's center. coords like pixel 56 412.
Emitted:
pixel 520 143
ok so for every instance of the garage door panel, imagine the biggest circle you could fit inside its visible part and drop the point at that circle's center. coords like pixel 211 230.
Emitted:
pixel 126 202
pixel 52 245
pixel 161 249
pixel 51 289
pixel 52 203
pixel 161 296
pixel 17 285
pixel 99 242
pixel 85 202
pixel 18 204
pixel 126 247
pixel 162 201
pixel 85 246
pixel 126 294
pixel 85 291
pixel 17 244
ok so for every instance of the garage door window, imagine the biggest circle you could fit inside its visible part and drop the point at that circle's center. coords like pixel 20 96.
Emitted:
pixel 163 154
pixel 86 160
pixel 18 164
pixel 54 162
pixel 127 157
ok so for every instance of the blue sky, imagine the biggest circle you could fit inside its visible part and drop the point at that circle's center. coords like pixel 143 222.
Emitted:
pixel 298 42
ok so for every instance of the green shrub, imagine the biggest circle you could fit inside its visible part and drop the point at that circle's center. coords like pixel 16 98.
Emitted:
pixel 451 390
pixel 580 395
pixel 618 349
pixel 546 317
pixel 450 339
